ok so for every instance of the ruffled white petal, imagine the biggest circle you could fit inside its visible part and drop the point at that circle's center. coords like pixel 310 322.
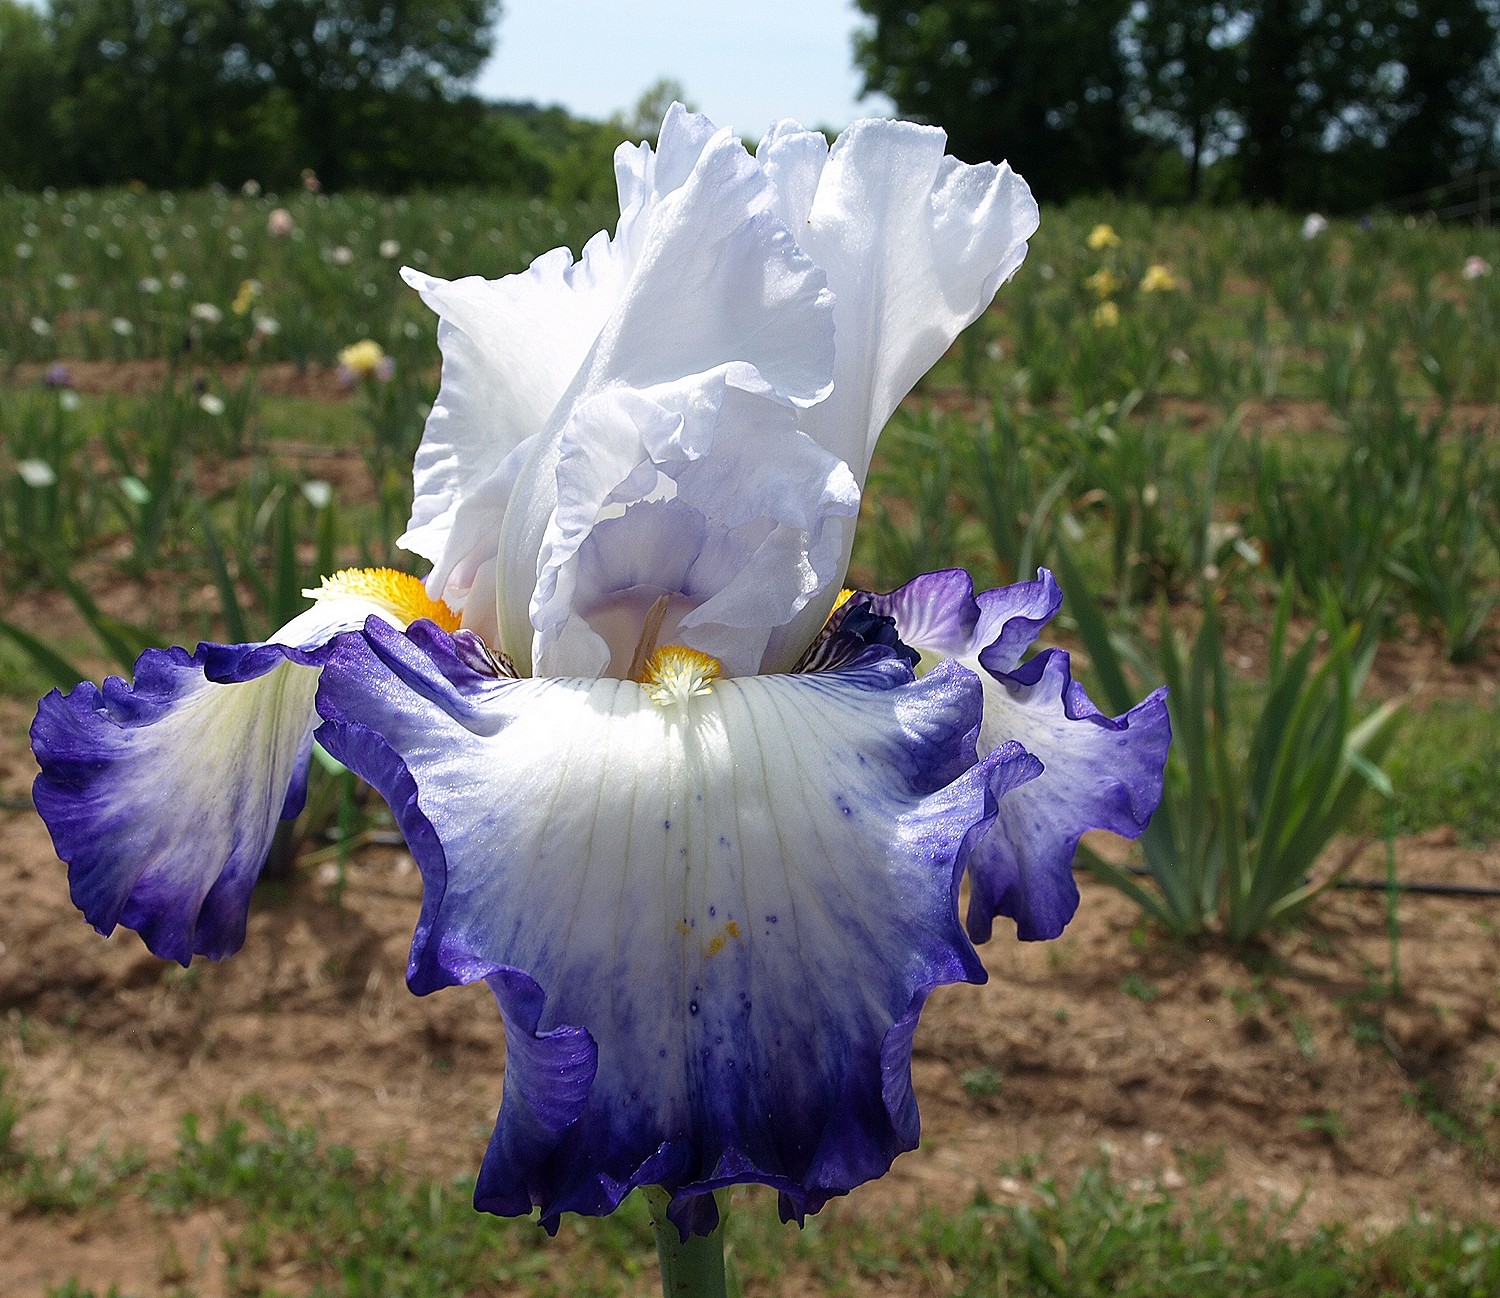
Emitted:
pixel 510 349
pixel 915 245
pixel 740 477
pixel 739 898
pixel 719 295
pixel 721 265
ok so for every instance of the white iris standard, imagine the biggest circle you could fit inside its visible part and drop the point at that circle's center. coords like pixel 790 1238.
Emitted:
pixel 690 408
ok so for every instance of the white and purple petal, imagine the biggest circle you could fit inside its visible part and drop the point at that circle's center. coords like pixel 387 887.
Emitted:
pixel 163 797
pixel 1099 772
pixel 710 926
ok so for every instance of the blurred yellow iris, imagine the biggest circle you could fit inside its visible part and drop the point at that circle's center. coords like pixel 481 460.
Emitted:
pixel 363 358
pixel 1158 279
pixel 1103 236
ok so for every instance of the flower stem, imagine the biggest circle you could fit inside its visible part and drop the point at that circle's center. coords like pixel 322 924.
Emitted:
pixel 692 1267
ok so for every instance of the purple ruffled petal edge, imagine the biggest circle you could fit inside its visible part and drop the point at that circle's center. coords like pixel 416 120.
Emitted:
pixel 1101 773
pixel 550 1148
pixel 939 614
pixel 149 842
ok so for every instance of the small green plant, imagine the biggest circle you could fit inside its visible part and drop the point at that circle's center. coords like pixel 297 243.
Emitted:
pixel 47 494
pixel 1326 1122
pixel 1470 1126
pixel 285 1195
pixel 1447 560
pixel 1199 1166
pixel 1302 1034
pixel 1249 803
pixel 1006 482
pixel 10 1115
pixel 981 1083
pixel 1145 991
pixel 72 1289
pixel 121 641
pixel 921 526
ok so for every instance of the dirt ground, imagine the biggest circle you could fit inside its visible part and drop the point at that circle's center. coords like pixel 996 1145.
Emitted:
pixel 1277 1076
pixel 107 378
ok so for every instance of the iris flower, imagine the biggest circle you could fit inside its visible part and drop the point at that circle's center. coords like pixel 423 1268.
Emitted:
pixel 697 818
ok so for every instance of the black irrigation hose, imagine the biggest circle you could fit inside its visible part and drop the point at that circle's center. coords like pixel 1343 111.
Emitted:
pixel 388 838
pixel 1424 889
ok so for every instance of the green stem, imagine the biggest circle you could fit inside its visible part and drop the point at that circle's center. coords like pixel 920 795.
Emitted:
pixel 690 1268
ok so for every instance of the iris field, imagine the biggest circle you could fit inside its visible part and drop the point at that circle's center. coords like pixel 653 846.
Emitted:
pixel 1262 454
pixel 1207 411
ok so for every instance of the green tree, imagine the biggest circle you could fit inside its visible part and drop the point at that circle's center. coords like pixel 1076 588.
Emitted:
pixel 1184 64
pixel 1308 92
pixel 1346 102
pixel 378 84
pixel 1040 82
pixel 28 85
pixel 1446 103
pixel 180 92
pixel 141 89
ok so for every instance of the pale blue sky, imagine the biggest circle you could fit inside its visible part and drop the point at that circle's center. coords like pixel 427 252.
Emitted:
pixel 744 64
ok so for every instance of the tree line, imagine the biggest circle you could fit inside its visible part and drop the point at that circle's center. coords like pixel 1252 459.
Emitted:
pixel 1332 104
pixel 375 94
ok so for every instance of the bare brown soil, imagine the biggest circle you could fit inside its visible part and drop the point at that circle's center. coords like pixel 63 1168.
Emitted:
pixel 1274 419
pixel 1277 1075
pixel 107 378
pixel 1278 417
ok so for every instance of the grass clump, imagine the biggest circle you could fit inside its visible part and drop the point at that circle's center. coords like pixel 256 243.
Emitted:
pixel 1443 772
pixel 319 1218
pixel 1100 1239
